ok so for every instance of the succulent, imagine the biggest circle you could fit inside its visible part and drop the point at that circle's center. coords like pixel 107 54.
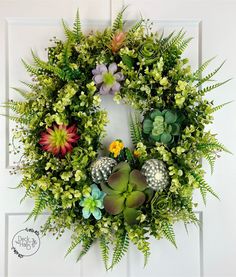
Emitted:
pixel 148 51
pixel 93 203
pixel 117 41
pixel 101 169
pixel 126 191
pixel 162 126
pixel 156 174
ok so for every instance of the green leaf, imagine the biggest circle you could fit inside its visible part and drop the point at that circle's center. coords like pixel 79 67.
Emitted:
pixel 170 117
pixel 119 180
pixel 114 204
pixel 130 215
pixel 166 138
pixel 168 231
pixel 77 31
pixel 147 126
pixel 104 246
pixel 135 199
pixel 128 61
pixel 86 244
pixel 137 180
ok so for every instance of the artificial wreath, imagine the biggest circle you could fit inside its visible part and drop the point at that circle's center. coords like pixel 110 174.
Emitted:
pixel 128 194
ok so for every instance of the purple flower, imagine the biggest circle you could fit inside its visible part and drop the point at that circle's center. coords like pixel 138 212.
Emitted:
pixel 107 79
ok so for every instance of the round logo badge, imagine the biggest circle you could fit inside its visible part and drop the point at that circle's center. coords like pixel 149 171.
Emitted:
pixel 26 242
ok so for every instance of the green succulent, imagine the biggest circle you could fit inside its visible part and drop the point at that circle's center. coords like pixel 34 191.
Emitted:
pixel 148 51
pixel 126 191
pixel 162 126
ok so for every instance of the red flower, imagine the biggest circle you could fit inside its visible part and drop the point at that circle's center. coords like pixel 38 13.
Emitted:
pixel 59 139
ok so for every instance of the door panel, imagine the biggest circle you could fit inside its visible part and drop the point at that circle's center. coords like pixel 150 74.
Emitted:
pixel 29 24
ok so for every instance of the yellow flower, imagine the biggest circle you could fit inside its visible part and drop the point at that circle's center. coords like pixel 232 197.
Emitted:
pixel 136 153
pixel 115 147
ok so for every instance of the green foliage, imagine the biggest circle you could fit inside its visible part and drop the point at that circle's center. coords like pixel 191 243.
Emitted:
pixel 104 246
pixel 118 22
pixel 86 244
pixel 168 232
pixel 203 186
pixel 77 31
pixel 135 129
pixel 121 247
pixel 40 204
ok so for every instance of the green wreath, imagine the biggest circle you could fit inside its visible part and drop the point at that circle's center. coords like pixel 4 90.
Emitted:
pixel 129 194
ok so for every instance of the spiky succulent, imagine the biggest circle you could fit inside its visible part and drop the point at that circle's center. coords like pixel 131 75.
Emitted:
pixel 156 173
pixel 162 126
pixel 126 191
pixel 101 169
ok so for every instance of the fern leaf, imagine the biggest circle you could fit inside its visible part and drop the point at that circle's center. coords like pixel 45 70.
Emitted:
pixel 25 94
pixel 41 203
pixel 204 187
pixel 104 246
pixel 168 231
pixel 197 74
pixel 28 192
pixel 135 27
pixel 77 31
pixel 209 76
pixel 211 158
pixel 68 33
pixel 86 244
pixel 209 88
pixel 118 22
pixel 32 70
pixel 184 44
pixel 217 108
pixel 174 40
pixel 121 247
pixel 135 129
pixel 73 245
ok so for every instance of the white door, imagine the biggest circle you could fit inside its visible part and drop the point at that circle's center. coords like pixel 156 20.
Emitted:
pixel 209 251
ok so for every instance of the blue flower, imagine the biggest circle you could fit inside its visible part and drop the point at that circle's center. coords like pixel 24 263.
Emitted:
pixel 93 203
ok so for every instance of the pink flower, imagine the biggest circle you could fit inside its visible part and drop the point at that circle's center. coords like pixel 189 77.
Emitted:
pixel 59 139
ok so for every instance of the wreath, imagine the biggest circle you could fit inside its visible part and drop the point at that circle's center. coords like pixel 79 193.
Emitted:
pixel 127 194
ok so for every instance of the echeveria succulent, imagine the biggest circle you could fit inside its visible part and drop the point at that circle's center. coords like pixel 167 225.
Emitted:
pixel 126 191
pixel 162 126
pixel 59 139
pixel 93 203
pixel 107 79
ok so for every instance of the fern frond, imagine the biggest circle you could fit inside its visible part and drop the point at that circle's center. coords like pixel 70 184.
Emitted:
pixel 184 44
pixel 25 94
pixel 73 245
pixel 28 192
pixel 104 246
pixel 77 30
pixel 217 108
pixel 86 244
pixel 211 158
pixel 68 33
pixel 118 22
pixel 168 232
pixel 176 40
pixel 197 74
pixel 209 76
pixel 16 119
pixel 135 27
pixel 135 129
pixel 48 67
pixel 209 88
pixel 41 203
pixel 32 70
pixel 121 247
pixel 203 186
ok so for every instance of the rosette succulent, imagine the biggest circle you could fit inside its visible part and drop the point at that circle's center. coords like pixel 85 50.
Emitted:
pixel 101 169
pixel 107 79
pixel 162 126
pixel 93 203
pixel 126 191
pixel 148 51
pixel 59 139
pixel 156 173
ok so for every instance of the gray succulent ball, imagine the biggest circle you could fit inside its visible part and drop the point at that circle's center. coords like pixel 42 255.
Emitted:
pixel 101 169
pixel 156 174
